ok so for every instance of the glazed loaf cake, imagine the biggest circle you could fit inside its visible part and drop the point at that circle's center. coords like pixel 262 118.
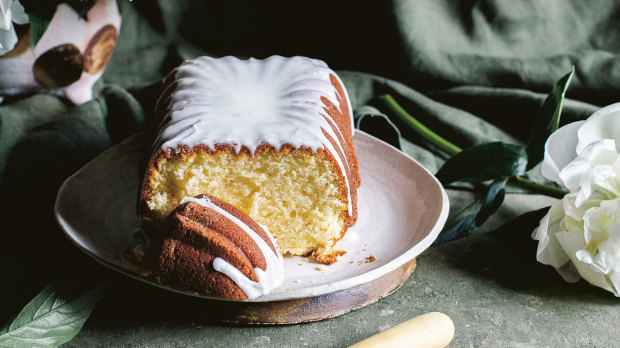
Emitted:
pixel 272 137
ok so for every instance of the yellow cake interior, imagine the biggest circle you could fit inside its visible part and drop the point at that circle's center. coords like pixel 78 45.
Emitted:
pixel 295 194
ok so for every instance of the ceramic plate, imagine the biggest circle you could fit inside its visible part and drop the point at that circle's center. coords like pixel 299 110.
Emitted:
pixel 401 208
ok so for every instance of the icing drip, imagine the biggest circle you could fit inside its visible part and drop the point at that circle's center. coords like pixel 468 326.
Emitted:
pixel 246 103
pixel 270 278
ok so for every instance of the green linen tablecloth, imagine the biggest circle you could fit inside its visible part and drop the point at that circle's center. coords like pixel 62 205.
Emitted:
pixel 473 71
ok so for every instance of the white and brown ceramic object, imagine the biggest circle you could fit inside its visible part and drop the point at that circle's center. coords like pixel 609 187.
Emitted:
pixel 68 59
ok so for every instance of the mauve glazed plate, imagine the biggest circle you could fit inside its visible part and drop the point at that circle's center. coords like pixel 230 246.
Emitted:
pixel 401 207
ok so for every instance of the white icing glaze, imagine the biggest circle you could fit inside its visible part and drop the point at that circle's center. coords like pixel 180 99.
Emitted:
pixel 246 103
pixel 270 278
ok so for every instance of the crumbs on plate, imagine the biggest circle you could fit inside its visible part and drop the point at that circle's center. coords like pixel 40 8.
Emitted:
pixel 321 268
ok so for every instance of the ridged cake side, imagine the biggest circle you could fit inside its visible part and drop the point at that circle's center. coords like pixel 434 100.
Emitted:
pixel 212 248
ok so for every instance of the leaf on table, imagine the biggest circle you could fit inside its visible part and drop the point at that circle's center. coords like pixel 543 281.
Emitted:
pixel 474 214
pixel 55 315
pixel 484 162
pixel 547 120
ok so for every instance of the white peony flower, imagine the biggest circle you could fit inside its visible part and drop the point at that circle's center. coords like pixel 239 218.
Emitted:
pixel 11 11
pixel 580 235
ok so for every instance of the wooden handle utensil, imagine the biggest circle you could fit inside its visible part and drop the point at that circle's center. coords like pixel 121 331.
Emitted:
pixel 428 330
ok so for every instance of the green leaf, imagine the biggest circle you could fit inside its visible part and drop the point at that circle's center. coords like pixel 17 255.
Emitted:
pixel 492 201
pixel 55 315
pixel 474 214
pixel 38 26
pixel 484 162
pixel 547 120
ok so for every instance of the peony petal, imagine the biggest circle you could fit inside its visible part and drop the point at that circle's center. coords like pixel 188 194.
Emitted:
pixel 573 242
pixel 560 150
pixel 612 207
pixel 19 13
pixel 603 124
pixel 608 257
pixel 601 152
pixel 6 22
pixel 598 184
pixel 549 251
pixel 5 6
pixel 569 272
pixel 598 263
pixel 551 219
pixel 592 223
pixel 614 278
pixel 574 211
pixel 8 39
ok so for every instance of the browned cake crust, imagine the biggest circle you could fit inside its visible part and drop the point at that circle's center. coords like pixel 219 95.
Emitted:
pixel 181 255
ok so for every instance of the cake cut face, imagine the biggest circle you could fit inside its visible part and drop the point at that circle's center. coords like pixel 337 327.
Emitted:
pixel 212 248
pixel 272 137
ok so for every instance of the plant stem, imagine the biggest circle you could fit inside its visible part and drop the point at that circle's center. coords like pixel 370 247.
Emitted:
pixel 452 149
pixel 418 127
pixel 539 188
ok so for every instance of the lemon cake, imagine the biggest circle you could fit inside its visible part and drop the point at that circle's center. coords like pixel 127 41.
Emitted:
pixel 272 137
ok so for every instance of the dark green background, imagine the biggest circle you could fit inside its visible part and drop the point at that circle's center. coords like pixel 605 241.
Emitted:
pixel 473 71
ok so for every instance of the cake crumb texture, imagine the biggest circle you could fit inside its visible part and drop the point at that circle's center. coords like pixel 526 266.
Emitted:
pixel 297 195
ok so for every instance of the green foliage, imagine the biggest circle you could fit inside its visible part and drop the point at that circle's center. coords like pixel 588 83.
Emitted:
pixel 475 214
pixel 547 120
pixel 418 127
pixel 484 162
pixel 55 315
pixel 499 162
